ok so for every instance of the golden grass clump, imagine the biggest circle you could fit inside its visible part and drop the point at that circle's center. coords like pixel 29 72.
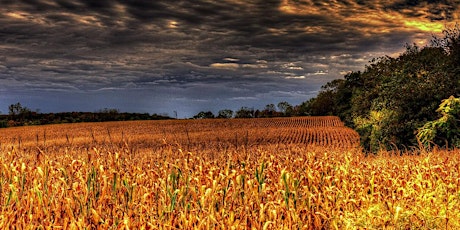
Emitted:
pixel 111 175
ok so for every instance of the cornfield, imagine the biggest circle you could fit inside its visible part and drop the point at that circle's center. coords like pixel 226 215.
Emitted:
pixel 277 173
pixel 191 134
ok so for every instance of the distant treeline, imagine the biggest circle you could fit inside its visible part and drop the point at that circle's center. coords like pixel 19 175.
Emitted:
pixel 282 109
pixel 21 116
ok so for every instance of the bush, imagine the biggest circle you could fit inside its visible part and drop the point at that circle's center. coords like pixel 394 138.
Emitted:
pixel 445 130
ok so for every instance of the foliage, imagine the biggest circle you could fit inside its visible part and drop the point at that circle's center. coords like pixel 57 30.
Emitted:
pixel 16 109
pixel 18 112
pixel 225 113
pixel 335 98
pixel 285 108
pixel 446 129
pixel 3 123
pixel 204 115
pixel 403 93
pixel 20 115
pixel 374 129
pixel 245 112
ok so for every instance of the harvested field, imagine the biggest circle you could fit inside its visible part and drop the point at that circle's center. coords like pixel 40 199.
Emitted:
pixel 190 134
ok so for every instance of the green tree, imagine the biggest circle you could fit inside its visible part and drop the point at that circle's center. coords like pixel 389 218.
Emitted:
pixel 373 129
pixel 285 108
pixel 302 109
pixel 225 113
pixel 322 105
pixel 408 88
pixel 393 97
pixel 335 97
pixel 15 109
pixel 269 111
pixel 446 129
pixel 204 115
pixel 19 113
pixel 245 112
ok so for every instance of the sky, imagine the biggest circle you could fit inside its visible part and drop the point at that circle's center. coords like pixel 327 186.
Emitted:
pixel 175 56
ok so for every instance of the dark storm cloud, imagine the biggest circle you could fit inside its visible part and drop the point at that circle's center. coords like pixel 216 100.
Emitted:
pixel 230 50
pixel 433 9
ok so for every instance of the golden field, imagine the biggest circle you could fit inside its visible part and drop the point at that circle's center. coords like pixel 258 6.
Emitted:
pixel 277 173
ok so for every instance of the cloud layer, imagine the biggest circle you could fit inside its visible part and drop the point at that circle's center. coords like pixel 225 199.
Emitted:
pixel 193 55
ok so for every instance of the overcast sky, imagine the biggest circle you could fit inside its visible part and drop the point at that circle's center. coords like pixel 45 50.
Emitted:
pixel 161 56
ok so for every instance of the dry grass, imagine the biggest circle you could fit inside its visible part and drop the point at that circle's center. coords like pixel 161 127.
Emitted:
pixel 228 174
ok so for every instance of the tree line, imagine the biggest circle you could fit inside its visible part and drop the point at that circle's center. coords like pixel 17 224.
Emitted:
pixel 282 109
pixel 19 115
pixel 410 100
